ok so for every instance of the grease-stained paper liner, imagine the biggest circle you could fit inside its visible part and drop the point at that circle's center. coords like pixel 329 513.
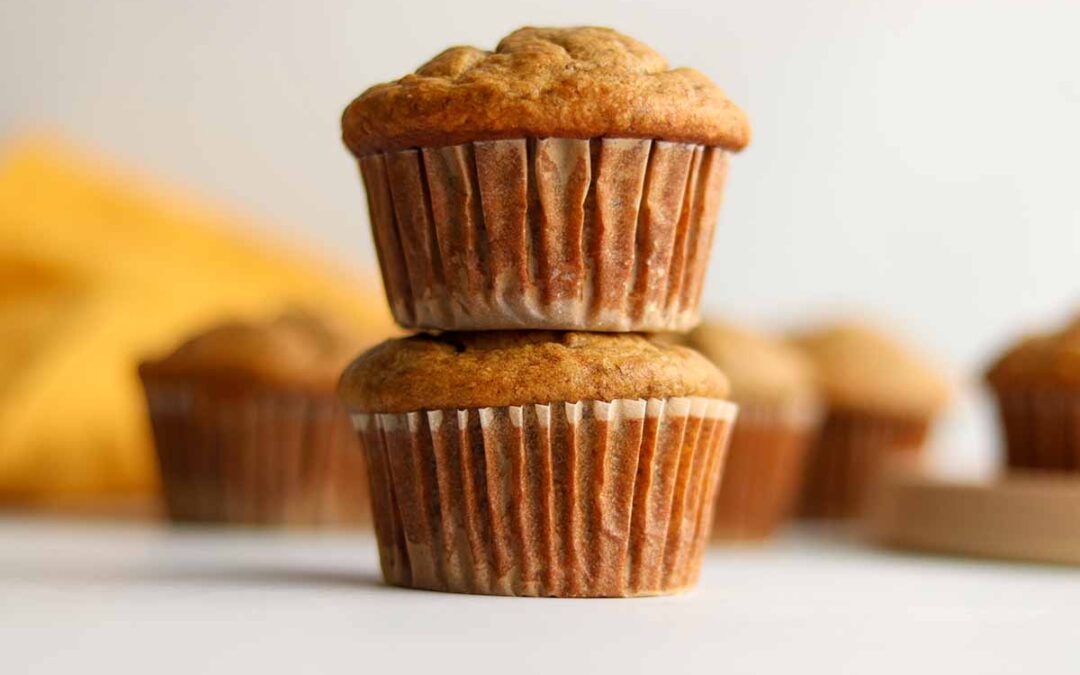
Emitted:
pixel 587 499
pixel 553 233
pixel 1042 428
pixel 256 456
pixel 763 472
pixel 846 457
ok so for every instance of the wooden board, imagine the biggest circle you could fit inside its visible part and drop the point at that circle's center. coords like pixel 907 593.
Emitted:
pixel 1018 516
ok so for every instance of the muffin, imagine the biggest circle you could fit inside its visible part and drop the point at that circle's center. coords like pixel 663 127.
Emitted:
pixel 540 463
pixel 773 384
pixel 1037 386
pixel 248 429
pixel 881 399
pixel 567 180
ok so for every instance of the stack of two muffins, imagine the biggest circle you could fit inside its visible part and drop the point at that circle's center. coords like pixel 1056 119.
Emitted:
pixel 542 206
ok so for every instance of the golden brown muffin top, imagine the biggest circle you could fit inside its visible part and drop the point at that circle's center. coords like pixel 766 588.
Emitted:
pixel 860 368
pixel 295 349
pixel 500 368
pixel 762 369
pixel 547 82
pixel 1047 359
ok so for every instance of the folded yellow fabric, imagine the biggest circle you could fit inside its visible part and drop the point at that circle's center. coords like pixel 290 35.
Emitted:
pixel 99 269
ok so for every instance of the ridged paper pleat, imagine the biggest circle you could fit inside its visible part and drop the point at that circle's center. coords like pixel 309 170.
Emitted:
pixel 763 471
pixel 1042 428
pixel 844 460
pixel 601 234
pixel 563 499
pixel 256 456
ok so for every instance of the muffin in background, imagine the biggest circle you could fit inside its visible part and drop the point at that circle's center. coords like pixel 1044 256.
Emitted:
pixel 540 463
pixel 774 387
pixel 567 180
pixel 248 429
pixel 101 265
pixel 881 400
pixel 1037 386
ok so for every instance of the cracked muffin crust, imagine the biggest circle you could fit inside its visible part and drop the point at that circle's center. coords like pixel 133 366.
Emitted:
pixel 545 82
pixel 296 349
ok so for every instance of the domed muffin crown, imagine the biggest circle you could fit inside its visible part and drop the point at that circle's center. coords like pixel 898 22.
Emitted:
pixel 545 82
pixel 501 368
pixel 761 369
pixel 860 367
pixel 1043 359
pixel 294 349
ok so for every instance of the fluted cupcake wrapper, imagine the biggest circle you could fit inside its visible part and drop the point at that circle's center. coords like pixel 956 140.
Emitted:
pixel 1042 428
pixel 763 472
pixel 546 233
pixel 845 459
pixel 256 456
pixel 586 499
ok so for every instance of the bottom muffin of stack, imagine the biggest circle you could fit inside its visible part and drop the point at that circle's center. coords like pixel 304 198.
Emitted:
pixel 540 463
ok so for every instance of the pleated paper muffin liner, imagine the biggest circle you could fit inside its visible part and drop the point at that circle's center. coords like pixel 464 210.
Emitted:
pixel 1042 427
pixel 847 455
pixel 586 499
pixel 763 472
pixel 600 234
pixel 256 456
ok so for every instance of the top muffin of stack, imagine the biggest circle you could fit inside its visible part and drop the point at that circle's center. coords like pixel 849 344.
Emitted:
pixel 567 180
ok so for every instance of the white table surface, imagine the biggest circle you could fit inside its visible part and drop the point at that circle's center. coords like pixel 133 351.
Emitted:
pixel 144 598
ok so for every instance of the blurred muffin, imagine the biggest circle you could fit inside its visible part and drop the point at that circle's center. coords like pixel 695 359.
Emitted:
pixel 540 463
pixel 881 399
pixel 567 180
pixel 99 266
pixel 248 429
pixel 1037 386
pixel 773 384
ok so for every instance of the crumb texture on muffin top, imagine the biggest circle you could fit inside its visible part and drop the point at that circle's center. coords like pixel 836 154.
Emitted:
pixel 762 369
pixel 1048 359
pixel 545 82
pixel 296 348
pixel 859 367
pixel 500 368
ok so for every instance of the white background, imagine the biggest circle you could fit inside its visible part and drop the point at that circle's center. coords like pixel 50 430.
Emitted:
pixel 918 160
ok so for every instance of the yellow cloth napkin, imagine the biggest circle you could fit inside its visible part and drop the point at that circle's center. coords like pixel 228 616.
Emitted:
pixel 98 269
